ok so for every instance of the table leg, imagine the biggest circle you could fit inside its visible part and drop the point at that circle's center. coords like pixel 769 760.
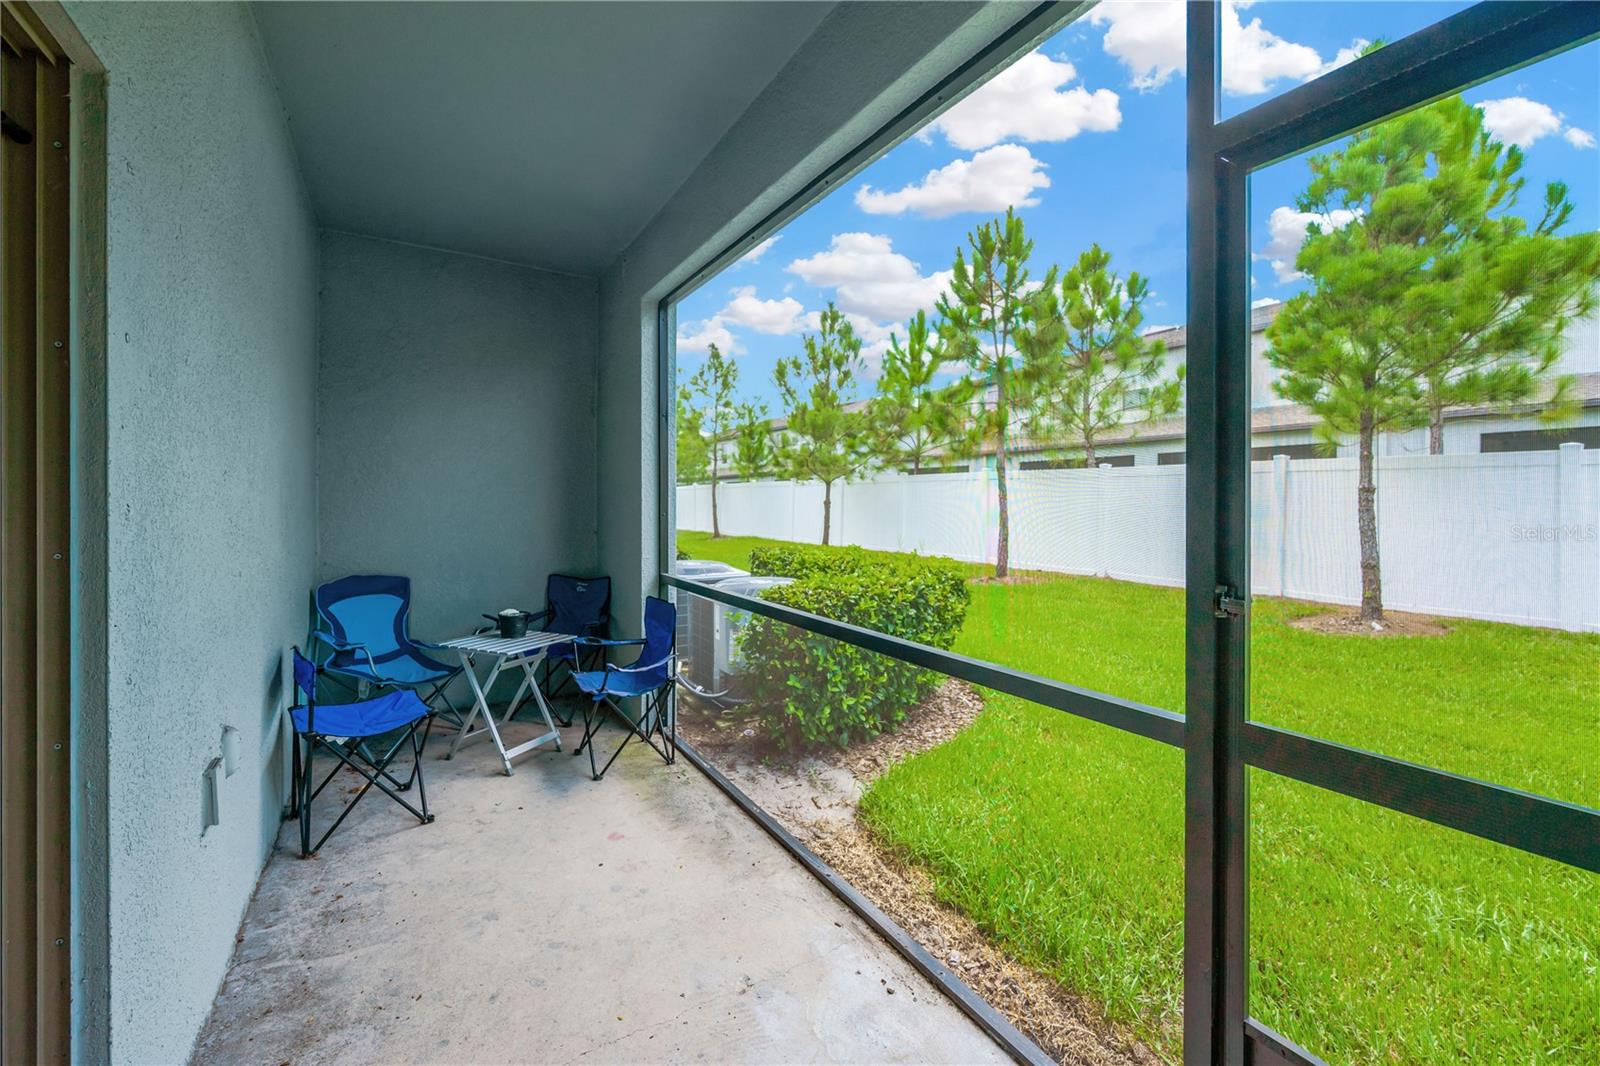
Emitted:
pixel 481 706
pixel 529 679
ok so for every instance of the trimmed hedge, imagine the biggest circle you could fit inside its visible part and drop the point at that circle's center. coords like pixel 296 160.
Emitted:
pixel 822 691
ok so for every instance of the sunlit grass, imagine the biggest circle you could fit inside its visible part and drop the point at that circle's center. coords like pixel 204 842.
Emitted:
pixel 1374 937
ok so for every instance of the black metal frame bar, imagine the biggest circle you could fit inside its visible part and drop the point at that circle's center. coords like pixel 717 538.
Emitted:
pixel 1219 741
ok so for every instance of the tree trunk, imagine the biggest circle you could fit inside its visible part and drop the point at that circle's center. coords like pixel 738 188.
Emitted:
pixel 1002 555
pixel 716 526
pixel 827 509
pixel 1089 454
pixel 1436 429
pixel 1367 525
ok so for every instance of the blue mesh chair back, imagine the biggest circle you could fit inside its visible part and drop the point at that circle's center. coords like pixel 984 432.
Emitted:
pixel 368 609
pixel 577 604
pixel 365 619
pixel 660 631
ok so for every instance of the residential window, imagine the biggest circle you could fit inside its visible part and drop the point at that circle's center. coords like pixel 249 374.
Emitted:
pixel 1075 463
pixel 1293 451
pixel 1539 440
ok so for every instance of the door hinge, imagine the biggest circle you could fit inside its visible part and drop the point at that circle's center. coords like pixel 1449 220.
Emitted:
pixel 1227 604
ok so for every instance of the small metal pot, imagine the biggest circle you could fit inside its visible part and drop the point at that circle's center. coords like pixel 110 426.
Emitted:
pixel 511 625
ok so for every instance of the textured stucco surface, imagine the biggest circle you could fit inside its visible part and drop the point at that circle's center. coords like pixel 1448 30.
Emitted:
pixel 211 363
pixel 864 65
pixel 455 433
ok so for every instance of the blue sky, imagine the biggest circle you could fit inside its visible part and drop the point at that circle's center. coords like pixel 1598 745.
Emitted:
pixel 1086 137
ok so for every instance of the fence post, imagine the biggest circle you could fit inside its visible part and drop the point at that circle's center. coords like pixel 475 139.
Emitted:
pixel 1102 499
pixel 1280 497
pixel 1569 535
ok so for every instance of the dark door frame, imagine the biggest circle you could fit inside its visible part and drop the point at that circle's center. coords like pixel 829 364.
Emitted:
pixel 1220 741
pixel 54 608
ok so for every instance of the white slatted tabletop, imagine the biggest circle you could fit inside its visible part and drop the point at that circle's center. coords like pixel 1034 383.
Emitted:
pixel 493 644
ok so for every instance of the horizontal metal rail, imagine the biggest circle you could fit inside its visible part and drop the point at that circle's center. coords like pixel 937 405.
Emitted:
pixel 1121 714
pixel 1265 1047
pixel 1551 828
pixel 1453 54
pixel 1565 832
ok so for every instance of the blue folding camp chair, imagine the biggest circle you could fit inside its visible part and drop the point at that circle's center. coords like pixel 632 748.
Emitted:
pixel 346 730
pixel 580 606
pixel 364 619
pixel 652 676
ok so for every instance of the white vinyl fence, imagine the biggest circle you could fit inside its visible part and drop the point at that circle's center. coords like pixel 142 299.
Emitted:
pixel 1511 537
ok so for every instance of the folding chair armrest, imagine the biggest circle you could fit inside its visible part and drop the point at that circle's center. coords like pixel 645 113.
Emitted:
pixel 343 645
pixel 604 642
pixel 331 641
pixel 645 668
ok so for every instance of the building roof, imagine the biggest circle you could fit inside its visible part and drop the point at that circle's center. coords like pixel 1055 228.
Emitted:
pixel 1283 418
pixel 1260 318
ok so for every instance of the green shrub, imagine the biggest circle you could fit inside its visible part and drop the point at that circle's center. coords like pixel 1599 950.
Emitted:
pixel 822 691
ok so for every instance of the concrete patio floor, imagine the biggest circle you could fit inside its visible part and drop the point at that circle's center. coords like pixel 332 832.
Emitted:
pixel 549 918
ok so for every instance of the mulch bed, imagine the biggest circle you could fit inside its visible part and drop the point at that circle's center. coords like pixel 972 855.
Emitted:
pixel 1395 624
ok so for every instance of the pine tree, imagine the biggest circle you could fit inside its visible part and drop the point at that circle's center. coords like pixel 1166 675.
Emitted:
pixel 983 312
pixel 714 384
pixel 913 418
pixel 693 455
pixel 825 440
pixel 1433 293
pixel 1095 369
pixel 753 453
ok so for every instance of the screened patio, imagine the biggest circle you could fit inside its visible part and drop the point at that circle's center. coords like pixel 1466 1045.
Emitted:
pixel 390 289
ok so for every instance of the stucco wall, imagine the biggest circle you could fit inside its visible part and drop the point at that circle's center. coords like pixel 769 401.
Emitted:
pixel 865 64
pixel 211 364
pixel 455 427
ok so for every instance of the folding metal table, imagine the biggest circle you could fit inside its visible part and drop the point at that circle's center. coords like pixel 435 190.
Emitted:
pixel 525 652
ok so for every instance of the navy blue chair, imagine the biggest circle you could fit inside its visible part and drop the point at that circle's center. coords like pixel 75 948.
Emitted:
pixel 652 677
pixel 364 621
pixel 346 731
pixel 580 606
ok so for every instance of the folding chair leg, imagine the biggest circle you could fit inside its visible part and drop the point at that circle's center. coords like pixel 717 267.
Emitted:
pixel 375 777
pixel 592 722
pixel 305 801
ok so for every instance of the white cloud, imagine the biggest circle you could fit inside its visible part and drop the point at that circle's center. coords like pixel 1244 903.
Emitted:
pixel 996 178
pixel 1286 232
pixel 1254 58
pixel 1579 138
pixel 747 311
pixel 700 336
pixel 1149 39
pixel 754 255
pixel 1518 120
pixel 1026 102
pixel 745 308
pixel 1346 55
pixel 871 279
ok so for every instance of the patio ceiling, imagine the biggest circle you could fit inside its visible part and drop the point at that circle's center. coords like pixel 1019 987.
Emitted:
pixel 539 133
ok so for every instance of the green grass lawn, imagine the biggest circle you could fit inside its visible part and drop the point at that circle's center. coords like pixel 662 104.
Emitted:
pixel 1374 936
